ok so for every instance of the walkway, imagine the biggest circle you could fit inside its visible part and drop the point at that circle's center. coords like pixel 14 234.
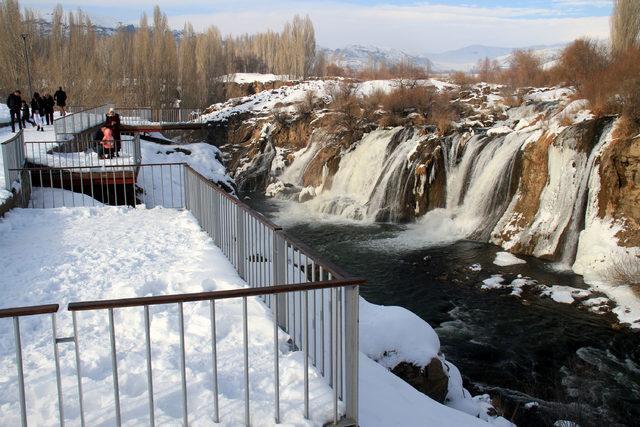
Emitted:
pixel 103 253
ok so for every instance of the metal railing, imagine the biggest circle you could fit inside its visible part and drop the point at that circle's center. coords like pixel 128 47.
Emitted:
pixel 12 152
pixel 152 185
pixel 85 153
pixel 148 115
pixel 312 300
pixel 77 122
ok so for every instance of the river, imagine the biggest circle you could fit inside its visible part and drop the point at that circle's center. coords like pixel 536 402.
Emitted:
pixel 576 364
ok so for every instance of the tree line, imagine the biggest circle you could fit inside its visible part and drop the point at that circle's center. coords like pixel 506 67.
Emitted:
pixel 146 65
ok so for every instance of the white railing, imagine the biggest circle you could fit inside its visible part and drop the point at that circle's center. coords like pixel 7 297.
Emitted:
pixel 12 154
pixel 75 123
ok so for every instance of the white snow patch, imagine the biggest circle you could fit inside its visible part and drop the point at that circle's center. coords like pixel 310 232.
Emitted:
pixel 564 294
pixel 504 259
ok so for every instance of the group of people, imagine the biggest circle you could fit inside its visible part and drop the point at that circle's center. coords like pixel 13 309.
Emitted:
pixel 40 110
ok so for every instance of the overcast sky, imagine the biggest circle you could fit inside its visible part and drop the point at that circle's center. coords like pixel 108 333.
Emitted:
pixel 414 26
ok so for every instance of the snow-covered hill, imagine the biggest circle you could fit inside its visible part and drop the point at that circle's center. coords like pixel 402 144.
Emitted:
pixel 358 57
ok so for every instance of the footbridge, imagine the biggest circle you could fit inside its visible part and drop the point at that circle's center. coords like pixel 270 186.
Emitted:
pixel 132 119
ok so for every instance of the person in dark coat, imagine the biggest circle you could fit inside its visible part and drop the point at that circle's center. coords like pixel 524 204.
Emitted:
pixel 61 100
pixel 112 121
pixel 37 109
pixel 25 115
pixel 49 103
pixel 14 102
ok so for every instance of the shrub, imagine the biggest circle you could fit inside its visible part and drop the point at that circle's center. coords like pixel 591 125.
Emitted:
pixel 581 61
pixel 525 69
pixel 626 271
pixel 463 79
pixel 308 104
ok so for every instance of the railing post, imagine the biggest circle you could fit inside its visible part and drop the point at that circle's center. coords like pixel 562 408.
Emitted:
pixel 351 350
pixel 280 275
pixel 240 243
pixel 23 405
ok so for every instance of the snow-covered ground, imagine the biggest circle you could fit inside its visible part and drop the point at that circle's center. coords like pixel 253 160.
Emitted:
pixel 101 253
pixel 112 252
pixel 252 78
pixel 285 97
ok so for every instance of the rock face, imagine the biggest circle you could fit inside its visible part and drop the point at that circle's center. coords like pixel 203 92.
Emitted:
pixel 431 380
pixel 520 176
pixel 619 170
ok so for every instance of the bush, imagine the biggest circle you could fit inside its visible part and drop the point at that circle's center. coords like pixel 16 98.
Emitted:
pixel 626 271
pixel 580 61
pixel 308 104
pixel 463 79
pixel 525 69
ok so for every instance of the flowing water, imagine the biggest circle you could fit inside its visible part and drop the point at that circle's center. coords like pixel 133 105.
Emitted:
pixel 571 361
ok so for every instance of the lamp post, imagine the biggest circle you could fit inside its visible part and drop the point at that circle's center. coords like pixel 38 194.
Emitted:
pixel 26 58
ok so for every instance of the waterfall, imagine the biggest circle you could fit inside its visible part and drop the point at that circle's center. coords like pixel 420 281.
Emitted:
pixel 578 213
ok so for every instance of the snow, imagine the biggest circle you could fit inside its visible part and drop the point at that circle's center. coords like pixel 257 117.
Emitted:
pixel 109 252
pixel 202 157
pixel 57 198
pixel 386 400
pixel 253 77
pixel 383 336
pixel 5 116
pixel 599 255
pixel 499 130
pixel 564 294
pixel 504 259
pixel 549 95
pixel 475 267
pixel 493 282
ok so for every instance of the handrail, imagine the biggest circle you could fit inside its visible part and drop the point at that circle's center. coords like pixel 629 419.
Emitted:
pixel 64 168
pixel 212 295
pixel 80 111
pixel 85 141
pixel 13 138
pixel 28 310
pixel 273 226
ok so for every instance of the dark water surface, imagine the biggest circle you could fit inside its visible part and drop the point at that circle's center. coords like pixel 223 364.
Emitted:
pixel 575 363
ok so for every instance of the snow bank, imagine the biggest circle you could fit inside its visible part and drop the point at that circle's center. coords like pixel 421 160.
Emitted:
pixel 386 400
pixel 43 197
pixel 204 158
pixel 69 254
pixel 504 259
pixel 390 335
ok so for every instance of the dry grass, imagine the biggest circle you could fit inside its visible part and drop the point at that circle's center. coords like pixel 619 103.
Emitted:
pixel 626 271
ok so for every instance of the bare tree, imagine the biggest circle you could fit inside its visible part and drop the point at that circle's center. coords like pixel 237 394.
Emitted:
pixel 625 25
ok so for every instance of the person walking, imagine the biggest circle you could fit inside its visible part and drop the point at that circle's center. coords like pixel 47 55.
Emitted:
pixel 61 100
pixel 25 115
pixel 14 102
pixel 49 104
pixel 37 109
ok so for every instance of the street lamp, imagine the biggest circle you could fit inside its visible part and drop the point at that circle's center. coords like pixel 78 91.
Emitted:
pixel 26 58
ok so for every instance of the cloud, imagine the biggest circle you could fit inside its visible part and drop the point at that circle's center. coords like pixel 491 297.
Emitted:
pixel 417 28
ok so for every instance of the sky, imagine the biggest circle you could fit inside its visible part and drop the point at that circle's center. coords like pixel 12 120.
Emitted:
pixel 413 26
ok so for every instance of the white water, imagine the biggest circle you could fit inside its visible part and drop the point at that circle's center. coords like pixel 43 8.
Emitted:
pixel 578 214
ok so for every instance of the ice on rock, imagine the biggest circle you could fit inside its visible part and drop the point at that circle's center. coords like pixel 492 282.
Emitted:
pixel 504 259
